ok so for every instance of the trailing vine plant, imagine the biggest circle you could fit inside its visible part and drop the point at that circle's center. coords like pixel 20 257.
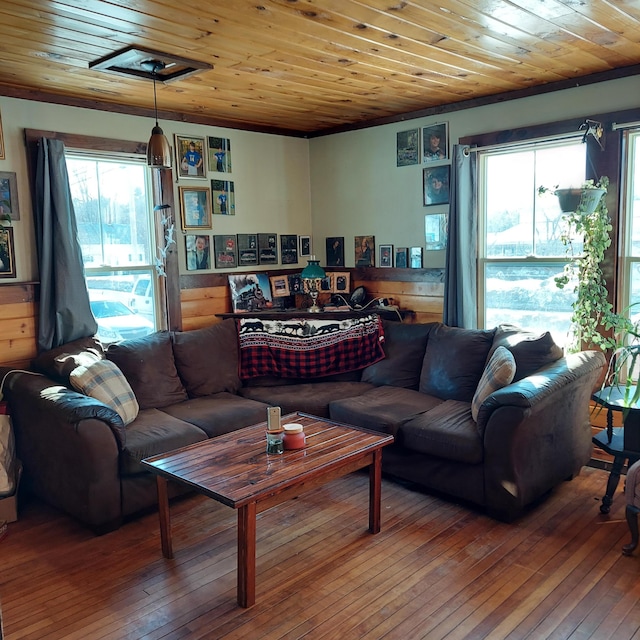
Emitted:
pixel 594 322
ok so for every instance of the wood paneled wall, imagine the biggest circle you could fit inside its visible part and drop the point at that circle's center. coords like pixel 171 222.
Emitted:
pixel 18 313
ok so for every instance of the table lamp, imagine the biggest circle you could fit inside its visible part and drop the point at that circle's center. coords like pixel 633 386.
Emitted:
pixel 312 276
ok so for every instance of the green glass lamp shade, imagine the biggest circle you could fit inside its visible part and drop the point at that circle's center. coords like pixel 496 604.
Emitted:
pixel 313 271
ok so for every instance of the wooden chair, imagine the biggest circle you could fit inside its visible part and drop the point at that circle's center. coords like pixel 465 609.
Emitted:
pixel 632 495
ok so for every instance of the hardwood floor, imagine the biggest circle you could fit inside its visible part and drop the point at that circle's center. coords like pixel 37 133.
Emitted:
pixel 436 570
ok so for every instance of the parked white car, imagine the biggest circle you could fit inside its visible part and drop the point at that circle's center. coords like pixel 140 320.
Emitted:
pixel 141 298
pixel 117 322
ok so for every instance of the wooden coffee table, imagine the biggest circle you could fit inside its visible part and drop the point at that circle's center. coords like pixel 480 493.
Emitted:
pixel 235 469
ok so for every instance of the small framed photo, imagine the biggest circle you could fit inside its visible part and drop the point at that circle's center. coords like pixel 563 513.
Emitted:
pixel 224 247
pixel 435 231
pixel 365 251
pixel 407 147
pixel 305 246
pixel 402 257
pixel 224 197
pixel 435 143
pixel 289 249
pixel 198 252
pixel 295 284
pixel 190 158
pixel 267 248
pixel 219 154
pixel 335 252
pixel 415 257
pixel 247 249
pixel 280 286
pixel 9 194
pixel 340 281
pixel 195 207
pixel 386 255
pixel 436 185
pixel 7 253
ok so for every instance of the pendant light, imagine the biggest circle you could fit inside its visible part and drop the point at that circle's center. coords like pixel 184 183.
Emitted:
pixel 158 151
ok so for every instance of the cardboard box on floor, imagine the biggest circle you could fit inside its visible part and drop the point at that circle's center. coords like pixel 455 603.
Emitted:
pixel 9 504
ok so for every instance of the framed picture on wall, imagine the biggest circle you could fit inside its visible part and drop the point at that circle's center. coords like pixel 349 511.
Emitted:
pixel 7 253
pixel 407 147
pixel 402 257
pixel 335 252
pixel 224 247
pixel 435 231
pixel 435 143
pixel 9 195
pixel 288 249
pixel 198 252
pixel 305 246
pixel 267 248
pixel 190 156
pixel 436 185
pixel 224 197
pixel 247 249
pixel 219 154
pixel 365 248
pixel 195 207
pixel 385 258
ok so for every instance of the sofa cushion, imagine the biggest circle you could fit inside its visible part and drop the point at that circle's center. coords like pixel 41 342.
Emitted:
pixel 308 397
pixel 404 347
pixel 59 362
pixel 454 361
pixel 382 409
pixel 219 413
pixel 104 381
pixel 446 431
pixel 148 365
pixel 498 373
pixel 154 432
pixel 531 351
pixel 207 359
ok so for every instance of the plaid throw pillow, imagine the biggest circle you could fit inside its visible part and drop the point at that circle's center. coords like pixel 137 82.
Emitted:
pixel 498 373
pixel 103 381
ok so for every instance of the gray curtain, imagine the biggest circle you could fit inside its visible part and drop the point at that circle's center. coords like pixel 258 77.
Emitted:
pixel 460 287
pixel 65 314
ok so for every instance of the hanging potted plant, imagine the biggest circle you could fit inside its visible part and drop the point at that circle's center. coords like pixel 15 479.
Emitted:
pixel 594 322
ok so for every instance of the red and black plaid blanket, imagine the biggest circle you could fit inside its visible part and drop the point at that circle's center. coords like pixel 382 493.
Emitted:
pixel 308 348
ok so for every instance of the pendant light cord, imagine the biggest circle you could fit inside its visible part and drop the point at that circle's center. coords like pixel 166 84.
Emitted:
pixel 155 100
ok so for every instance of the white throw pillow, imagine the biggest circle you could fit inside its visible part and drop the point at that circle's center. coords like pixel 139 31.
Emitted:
pixel 104 381
pixel 498 373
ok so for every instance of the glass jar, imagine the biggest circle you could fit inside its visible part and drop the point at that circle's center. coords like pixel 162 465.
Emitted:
pixel 294 437
pixel 275 441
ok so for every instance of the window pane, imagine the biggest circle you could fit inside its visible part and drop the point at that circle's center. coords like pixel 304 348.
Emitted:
pixel 519 222
pixel 112 213
pixel 114 230
pixel 526 295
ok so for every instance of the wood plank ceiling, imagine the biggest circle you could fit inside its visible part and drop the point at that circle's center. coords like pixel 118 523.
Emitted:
pixel 311 66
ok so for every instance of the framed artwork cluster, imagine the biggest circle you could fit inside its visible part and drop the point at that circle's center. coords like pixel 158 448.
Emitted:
pixel 196 157
pixel 229 251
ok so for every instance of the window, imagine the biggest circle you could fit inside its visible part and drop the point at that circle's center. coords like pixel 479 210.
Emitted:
pixel 521 252
pixel 112 206
pixel 631 206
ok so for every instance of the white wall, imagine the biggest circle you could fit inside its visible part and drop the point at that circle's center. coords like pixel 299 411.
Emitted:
pixel 357 189
pixel 270 173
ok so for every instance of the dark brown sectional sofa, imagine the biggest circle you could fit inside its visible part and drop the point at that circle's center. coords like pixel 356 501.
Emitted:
pixel 529 435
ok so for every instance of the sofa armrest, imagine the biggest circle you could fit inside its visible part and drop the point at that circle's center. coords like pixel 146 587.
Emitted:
pixel 537 431
pixel 59 403
pixel 538 387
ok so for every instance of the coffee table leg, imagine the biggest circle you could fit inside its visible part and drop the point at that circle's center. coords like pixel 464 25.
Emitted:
pixel 165 518
pixel 247 555
pixel 375 491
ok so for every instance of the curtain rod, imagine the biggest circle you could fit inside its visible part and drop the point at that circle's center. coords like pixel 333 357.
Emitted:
pixel 522 143
pixel 625 125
